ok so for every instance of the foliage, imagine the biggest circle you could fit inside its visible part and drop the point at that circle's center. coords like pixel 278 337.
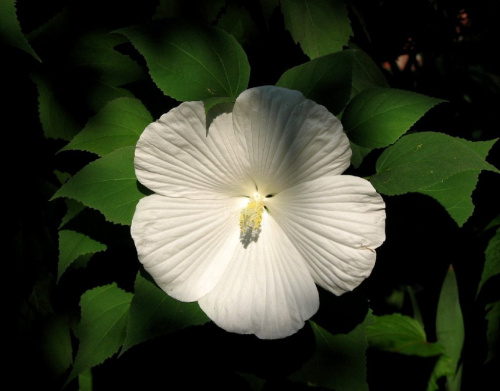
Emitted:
pixel 416 92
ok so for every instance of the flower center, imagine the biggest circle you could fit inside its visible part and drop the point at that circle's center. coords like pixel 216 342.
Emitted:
pixel 251 216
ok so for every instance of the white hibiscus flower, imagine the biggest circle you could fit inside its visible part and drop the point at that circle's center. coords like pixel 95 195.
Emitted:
pixel 247 217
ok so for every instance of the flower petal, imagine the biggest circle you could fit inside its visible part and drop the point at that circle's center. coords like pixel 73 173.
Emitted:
pixel 186 245
pixel 335 223
pixel 175 157
pixel 289 138
pixel 266 290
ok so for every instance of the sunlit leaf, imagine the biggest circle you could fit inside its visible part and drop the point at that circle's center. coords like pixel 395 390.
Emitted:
pixel 401 334
pixel 365 73
pixel 455 194
pixel 437 165
pixel 118 124
pixel 320 27
pixel 420 160
pixel 10 29
pixel 154 313
pixel 492 260
pixel 212 103
pixel 190 61
pixel 334 79
pixel 377 117
pixel 73 245
pixel 450 330
pixel 339 361
pixel 57 122
pixel 102 329
pixel 108 185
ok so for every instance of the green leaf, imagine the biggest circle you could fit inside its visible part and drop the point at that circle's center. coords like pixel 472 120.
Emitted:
pixel 450 327
pixel 118 124
pixel 334 79
pixel 420 160
pixel 358 154
pixel 56 121
pixel 190 61
pixel 154 313
pixel 401 334
pixel 108 185
pixel 103 326
pixel 57 345
pixel 102 68
pixel 492 330
pixel 495 222
pixel 441 368
pixel 73 245
pixel 237 21
pixel 211 104
pixel 455 194
pixel 85 381
pixel 73 209
pixel 10 29
pixel 321 27
pixel 339 361
pixel 435 164
pixel 365 73
pixel 377 117
pixel 94 51
pixel 492 260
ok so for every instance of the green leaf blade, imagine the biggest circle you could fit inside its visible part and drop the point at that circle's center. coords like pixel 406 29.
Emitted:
pixel 153 313
pixel 118 124
pixel 455 194
pixel 443 167
pixel 103 326
pixel 56 120
pixel 401 334
pixel 380 116
pixel 424 159
pixel 339 361
pixel 73 245
pixel 450 330
pixel 320 27
pixel 10 29
pixel 190 61
pixel 491 266
pixel 108 184
pixel 492 331
pixel 334 79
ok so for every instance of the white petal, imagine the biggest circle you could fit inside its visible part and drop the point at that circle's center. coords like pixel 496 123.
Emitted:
pixel 186 245
pixel 266 290
pixel 175 157
pixel 335 223
pixel 289 139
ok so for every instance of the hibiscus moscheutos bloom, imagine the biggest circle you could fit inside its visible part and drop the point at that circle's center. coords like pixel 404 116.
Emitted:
pixel 250 214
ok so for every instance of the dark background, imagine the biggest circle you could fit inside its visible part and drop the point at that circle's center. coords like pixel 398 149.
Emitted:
pixel 456 41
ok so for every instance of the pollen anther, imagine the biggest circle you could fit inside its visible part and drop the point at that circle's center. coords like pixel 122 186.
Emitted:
pixel 251 215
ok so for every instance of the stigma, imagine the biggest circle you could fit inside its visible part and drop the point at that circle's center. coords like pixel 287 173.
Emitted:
pixel 251 215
